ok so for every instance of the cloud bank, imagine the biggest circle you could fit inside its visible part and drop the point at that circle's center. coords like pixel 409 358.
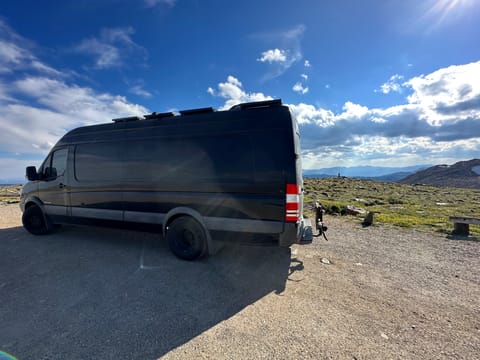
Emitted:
pixel 38 107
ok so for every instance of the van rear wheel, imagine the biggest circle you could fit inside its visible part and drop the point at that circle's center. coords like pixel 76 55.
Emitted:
pixel 35 222
pixel 186 238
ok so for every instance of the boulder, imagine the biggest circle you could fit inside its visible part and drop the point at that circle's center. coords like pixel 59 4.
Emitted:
pixel 352 210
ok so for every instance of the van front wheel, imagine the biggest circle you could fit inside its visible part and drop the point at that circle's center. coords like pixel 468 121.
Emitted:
pixel 34 221
pixel 186 238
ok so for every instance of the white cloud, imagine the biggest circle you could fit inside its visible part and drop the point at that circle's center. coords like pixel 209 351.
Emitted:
pixel 232 90
pixel 140 91
pixel 61 107
pixel 281 60
pixel 447 95
pixel 304 76
pixel 392 85
pixel 274 55
pixel 309 114
pixel 87 105
pixel 307 64
pixel 112 47
pixel 15 54
pixel 298 87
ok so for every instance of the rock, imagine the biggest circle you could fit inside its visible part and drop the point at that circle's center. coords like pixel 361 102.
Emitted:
pixel 383 335
pixel 325 261
pixel 352 210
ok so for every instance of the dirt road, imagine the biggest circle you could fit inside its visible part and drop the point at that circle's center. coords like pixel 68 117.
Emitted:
pixel 387 293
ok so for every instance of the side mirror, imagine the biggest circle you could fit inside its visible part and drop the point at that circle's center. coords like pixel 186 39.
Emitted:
pixel 31 173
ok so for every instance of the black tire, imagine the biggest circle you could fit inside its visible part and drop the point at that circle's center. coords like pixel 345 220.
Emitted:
pixel 35 222
pixel 186 238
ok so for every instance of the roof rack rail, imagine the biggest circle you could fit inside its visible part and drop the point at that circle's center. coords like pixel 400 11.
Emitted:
pixel 125 119
pixel 156 115
pixel 257 104
pixel 197 111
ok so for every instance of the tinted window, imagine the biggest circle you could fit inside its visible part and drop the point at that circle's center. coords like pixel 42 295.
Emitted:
pixel 46 164
pixel 219 158
pixel 54 165
pixel 98 161
pixel 59 162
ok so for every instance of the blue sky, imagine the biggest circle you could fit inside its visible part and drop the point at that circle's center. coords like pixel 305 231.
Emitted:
pixel 384 83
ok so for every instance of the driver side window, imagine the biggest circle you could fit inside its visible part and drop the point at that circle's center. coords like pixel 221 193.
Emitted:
pixel 54 165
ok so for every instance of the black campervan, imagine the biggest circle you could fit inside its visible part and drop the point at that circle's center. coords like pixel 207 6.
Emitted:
pixel 200 176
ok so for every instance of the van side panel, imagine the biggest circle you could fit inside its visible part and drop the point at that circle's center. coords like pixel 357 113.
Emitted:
pixel 231 167
pixel 226 176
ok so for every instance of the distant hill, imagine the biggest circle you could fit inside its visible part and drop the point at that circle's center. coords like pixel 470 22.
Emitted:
pixel 463 174
pixel 394 177
pixel 380 173
pixel 11 181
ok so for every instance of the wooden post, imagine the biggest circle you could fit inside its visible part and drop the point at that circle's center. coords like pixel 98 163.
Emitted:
pixel 368 219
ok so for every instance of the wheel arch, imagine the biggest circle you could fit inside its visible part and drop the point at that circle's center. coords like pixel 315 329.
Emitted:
pixel 33 200
pixel 186 211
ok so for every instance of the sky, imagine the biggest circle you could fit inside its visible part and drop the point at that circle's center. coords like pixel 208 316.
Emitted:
pixel 372 82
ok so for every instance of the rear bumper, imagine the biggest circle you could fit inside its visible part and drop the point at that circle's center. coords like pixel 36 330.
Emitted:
pixel 296 233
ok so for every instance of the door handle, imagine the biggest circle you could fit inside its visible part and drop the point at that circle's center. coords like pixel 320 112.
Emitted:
pixel 62 186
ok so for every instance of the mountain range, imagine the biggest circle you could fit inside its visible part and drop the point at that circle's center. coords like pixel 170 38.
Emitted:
pixel 463 174
pixel 379 173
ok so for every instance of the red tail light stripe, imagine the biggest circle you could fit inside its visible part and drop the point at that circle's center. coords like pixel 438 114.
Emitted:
pixel 292 203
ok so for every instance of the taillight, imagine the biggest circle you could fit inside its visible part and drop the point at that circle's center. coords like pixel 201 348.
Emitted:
pixel 292 203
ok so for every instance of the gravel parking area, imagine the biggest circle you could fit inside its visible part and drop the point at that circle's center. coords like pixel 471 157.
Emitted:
pixel 367 293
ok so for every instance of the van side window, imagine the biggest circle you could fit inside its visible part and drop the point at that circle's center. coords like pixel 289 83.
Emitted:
pixel 216 158
pixel 98 161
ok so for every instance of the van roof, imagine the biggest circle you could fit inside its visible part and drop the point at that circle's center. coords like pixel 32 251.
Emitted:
pixel 244 106
pixel 191 118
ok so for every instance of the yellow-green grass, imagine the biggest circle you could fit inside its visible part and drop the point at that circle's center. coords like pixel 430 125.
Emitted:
pixel 412 206
pixel 10 194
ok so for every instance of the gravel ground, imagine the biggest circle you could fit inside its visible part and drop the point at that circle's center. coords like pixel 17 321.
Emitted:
pixel 386 293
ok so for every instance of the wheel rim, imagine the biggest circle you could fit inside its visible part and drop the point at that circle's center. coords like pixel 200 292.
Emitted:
pixel 186 240
pixel 36 221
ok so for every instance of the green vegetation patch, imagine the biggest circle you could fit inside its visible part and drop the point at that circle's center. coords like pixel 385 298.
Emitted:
pixel 10 194
pixel 412 206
